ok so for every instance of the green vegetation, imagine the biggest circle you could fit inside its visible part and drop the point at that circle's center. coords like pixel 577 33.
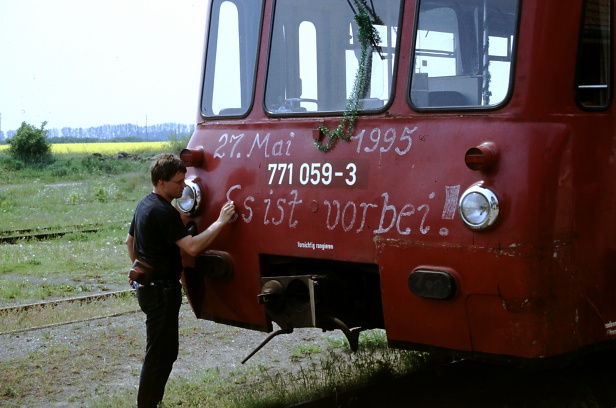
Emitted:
pixel 67 192
pixel 334 370
pixel 177 142
pixel 74 193
pixel 30 144
pixel 42 315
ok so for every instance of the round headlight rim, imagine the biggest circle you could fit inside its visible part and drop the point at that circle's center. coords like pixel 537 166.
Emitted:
pixel 196 192
pixel 493 206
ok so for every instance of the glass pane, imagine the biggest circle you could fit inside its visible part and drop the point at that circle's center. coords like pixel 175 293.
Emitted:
pixel 231 57
pixel 315 55
pixel 463 53
pixel 594 57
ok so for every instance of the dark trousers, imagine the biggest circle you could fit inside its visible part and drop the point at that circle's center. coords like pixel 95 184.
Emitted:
pixel 161 305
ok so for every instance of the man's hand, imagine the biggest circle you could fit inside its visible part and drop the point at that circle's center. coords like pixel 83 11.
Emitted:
pixel 197 244
pixel 227 212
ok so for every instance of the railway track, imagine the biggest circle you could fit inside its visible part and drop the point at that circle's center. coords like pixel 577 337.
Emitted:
pixel 53 303
pixel 13 236
pixel 24 309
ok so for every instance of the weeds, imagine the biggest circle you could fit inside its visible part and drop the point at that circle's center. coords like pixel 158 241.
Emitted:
pixel 65 363
pixel 319 372
pixel 44 315
pixel 73 167
pixel 72 193
pixel 316 374
pixel 303 350
pixel 77 263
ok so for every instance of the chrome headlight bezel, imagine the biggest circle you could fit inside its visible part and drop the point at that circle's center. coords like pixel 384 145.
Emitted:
pixel 479 207
pixel 190 201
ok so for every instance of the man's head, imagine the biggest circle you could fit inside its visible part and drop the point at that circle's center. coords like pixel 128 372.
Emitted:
pixel 164 167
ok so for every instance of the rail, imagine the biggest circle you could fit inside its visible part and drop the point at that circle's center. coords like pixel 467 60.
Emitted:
pixel 13 236
pixel 25 308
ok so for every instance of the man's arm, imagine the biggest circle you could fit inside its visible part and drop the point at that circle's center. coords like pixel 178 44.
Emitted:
pixel 197 244
pixel 130 246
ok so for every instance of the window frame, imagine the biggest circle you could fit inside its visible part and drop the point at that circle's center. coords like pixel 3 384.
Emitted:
pixel 325 113
pixel 208 75
pixel 512 69
pixel 580 61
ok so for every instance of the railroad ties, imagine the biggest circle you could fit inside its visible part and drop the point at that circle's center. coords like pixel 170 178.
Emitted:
pixel 13 236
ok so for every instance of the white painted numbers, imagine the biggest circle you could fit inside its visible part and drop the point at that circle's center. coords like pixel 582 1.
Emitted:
pixel 313 174
pixel 389 139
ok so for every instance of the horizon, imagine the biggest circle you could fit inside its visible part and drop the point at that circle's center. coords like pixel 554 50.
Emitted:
pixel 157 131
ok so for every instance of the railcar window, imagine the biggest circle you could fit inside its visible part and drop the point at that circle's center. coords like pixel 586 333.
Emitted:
pixel 315 53
pixel 595 56
pixel 231 57
pixel 463 53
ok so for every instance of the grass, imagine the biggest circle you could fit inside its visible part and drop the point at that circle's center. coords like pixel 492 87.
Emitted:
pixel 44 316
pixel 73 265
pixel 73 193
pixel 66 364
pixel 318 373
pixel 106 353
pixel 304 350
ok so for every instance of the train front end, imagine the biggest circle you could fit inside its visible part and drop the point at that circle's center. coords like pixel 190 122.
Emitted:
pixel 388 174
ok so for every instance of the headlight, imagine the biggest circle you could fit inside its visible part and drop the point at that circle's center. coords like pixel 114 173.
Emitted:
pixel 479 207
pixel 191 198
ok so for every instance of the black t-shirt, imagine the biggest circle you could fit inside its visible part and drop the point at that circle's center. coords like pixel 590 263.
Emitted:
pixel 156 226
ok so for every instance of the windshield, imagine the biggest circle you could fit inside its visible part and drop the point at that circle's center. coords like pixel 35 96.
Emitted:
pixel 231 58
pixel 463 53
pixel 315 54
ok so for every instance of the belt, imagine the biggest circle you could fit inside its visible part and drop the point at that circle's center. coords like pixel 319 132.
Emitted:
pixel 167 283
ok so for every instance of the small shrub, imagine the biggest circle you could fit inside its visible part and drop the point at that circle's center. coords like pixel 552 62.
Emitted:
pixel 10 164
pixel 100 193
pixel 5 203
pixel 9 392
pixel 30 144
pixel 73 198
pixel 177 143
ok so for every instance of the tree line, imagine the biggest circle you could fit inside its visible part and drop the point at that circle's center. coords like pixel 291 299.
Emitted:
pixel 126 132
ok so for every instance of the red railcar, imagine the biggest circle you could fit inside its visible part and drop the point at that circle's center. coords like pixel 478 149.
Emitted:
pixel 444 170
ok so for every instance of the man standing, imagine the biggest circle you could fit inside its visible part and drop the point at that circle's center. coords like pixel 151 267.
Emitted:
pixel 157 234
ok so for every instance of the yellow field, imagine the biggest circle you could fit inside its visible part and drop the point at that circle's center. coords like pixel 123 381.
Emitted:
pixel 103 148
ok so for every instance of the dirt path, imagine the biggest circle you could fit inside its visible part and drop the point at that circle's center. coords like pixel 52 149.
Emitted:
pixel 73 364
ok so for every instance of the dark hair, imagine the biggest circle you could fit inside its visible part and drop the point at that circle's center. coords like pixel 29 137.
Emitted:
pixel 164 166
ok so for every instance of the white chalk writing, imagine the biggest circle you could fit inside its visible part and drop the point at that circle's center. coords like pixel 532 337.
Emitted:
pixel 376 140
pixel 387 142
pixel 232 146
pixel 350 215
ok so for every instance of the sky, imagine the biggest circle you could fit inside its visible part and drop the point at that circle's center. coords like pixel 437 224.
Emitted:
pixel 86 63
